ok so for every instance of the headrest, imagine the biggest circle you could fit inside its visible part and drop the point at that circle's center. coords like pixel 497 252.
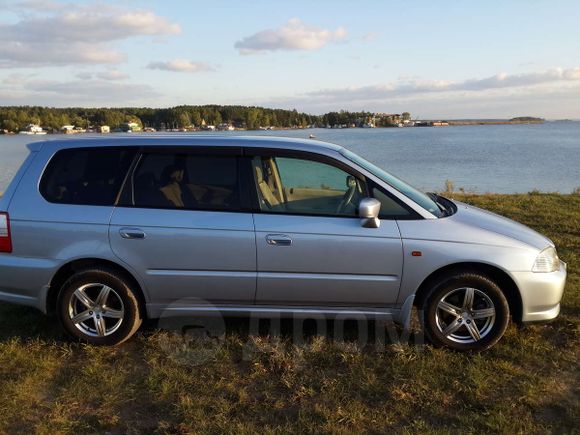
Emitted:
pixel 167 172
pixel 350 181
pixel 259 174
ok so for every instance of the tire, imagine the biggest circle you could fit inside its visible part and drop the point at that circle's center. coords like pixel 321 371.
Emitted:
pixel 99 306
pixel 465 312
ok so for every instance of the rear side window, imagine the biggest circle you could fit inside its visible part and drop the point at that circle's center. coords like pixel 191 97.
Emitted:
pixel 86 176
pixel 186 181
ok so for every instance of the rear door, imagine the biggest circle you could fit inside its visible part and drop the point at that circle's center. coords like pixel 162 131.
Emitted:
pixel 312 249
pixel 182 224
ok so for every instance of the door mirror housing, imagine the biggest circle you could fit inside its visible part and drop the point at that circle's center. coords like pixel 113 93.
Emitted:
pixel 368 211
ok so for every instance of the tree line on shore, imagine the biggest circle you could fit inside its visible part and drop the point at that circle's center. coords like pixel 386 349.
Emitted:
pixel 13 119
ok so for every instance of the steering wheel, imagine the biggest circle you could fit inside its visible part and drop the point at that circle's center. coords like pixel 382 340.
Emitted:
pixel 348 195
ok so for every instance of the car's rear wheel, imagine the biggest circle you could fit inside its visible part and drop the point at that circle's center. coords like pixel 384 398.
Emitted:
pixel 465 312
pixel 99 306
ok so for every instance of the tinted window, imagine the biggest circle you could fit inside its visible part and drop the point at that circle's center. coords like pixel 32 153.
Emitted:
pixel 86 176
pixel 301 186
pixel 186 181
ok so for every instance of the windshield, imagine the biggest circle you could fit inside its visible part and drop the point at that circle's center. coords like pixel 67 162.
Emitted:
pixel 409 191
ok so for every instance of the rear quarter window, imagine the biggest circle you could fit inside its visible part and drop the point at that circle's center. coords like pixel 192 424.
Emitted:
pixel 86 176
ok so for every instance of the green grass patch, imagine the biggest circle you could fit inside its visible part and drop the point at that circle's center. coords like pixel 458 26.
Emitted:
pixel 247 383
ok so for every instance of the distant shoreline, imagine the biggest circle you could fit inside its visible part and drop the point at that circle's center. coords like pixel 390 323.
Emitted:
pixel 481 122
pixel 427 123
pixel 75 120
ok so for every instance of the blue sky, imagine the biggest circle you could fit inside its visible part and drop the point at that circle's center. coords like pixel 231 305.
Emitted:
pixel 435 59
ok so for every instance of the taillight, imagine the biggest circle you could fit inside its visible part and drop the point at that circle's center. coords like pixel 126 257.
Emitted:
pixel 5 237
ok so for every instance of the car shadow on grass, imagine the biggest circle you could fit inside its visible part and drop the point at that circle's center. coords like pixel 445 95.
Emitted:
pixel 363 332
pixel 26 323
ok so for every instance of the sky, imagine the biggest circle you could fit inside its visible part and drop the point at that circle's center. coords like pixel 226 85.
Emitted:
pixel 444 59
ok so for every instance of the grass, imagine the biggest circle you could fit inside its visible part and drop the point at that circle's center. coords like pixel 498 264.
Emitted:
pixel 242 382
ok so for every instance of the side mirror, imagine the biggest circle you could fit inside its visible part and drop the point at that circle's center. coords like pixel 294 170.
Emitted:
pixel 368 211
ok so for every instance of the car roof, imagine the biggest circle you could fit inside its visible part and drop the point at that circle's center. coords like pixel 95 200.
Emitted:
pixel 189 140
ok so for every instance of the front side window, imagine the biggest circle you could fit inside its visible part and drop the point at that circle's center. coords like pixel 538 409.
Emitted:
pixel 416 195
pixel 186 181
pixel 390 209
pixel 86 176
pixel 301 186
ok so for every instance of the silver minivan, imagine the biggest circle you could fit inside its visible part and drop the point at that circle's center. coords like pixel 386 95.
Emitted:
pixel 108 232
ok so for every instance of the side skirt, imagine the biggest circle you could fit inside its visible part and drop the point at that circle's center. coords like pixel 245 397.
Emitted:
pixel 400 315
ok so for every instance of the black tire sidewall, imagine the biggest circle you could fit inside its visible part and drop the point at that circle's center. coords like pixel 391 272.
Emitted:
pixel 131 319
pixel 473 280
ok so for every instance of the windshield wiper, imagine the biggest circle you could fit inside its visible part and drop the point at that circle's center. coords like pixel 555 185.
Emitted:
pixel 437 199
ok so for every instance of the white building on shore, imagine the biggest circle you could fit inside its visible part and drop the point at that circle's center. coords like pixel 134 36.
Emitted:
pixel 32 129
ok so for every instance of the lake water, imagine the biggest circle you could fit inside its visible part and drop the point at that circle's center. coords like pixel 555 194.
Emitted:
pixel 502 158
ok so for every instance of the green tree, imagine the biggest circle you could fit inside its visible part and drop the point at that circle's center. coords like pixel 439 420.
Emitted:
pixel 196 118
pixel 79 121
pixel 252 118
pixel 184 120
pixel 215 118
pixel 51 122
pixel 10 125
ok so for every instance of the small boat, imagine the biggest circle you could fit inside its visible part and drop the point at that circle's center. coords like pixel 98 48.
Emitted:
pixel 312 136
pixel 32 129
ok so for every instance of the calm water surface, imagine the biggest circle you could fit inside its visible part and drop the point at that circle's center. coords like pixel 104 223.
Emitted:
pixel 503 158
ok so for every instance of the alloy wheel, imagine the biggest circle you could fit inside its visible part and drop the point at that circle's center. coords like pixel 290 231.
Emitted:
pixel 96 310
pixel 465 315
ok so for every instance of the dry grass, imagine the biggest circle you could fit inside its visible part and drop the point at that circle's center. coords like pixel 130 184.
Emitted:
pixel 244 383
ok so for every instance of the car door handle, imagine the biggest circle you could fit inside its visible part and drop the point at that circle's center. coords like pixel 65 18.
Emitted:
pixel 278 240
pixel 131 233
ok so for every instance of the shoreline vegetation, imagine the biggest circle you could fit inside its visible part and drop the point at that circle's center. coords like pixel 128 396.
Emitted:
pixel 251 381
pixel 43 120
pixel 517 120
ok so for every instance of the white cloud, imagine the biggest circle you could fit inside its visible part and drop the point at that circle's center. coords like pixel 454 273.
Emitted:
pixel 36 5
pixel 65 35
pixel 294 35
pixel 86 92
pixel 414 86
pixel 181 65
pixel 501 92
pixel 112 75
pixel 15 54
pixel 370 37
pixel 83 88
pixel 83 75
pixel 17 79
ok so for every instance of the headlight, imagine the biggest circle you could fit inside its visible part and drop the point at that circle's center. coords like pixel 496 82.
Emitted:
pixel 547 261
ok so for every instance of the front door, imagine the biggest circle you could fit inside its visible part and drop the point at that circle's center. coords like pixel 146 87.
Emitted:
pixel 183 230
pixel 312 250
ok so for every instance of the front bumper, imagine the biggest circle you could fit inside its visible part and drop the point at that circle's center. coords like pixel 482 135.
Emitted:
pixel 541 293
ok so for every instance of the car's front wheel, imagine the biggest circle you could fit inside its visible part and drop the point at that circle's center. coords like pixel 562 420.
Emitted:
pixel 466 312
pixel 99 306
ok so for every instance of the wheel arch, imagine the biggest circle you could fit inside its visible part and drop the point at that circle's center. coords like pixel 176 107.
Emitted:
pixel 69 269
pixel 498 275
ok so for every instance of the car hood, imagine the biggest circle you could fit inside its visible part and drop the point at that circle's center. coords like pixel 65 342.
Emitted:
pixel 490 222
